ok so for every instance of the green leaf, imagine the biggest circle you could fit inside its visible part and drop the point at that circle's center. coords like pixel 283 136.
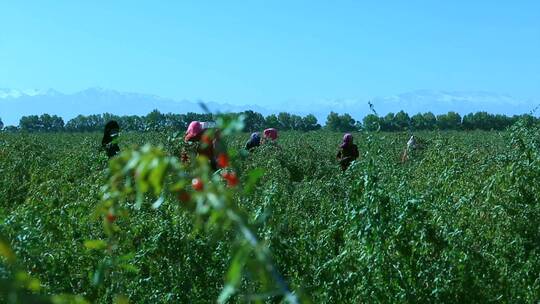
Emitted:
pixel 98 277
pixel 121 300
pixel 101 272
pixel 68 299
pixel 158 202
pixel 234 274
pixel 226 293
pixel 157 175
pixel 127 257
pixel 129 268
pixel 6 252
pixel 253 177
pixel 28 281
pixel 95 244
pixel 34 285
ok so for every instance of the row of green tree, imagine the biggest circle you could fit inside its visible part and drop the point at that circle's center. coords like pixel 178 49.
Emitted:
pixel 450 121
pixel 156 121
pixel 254 121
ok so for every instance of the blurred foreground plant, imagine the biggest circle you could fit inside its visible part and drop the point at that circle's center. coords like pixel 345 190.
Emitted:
pixel 149 174
pixel 17 286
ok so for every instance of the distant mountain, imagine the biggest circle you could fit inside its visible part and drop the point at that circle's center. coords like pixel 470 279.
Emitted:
pixel 12 93
pixel 437 102
pixel 17 103
pixel 461 102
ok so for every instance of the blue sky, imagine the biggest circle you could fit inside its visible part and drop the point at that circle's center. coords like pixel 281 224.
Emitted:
pixel 264 52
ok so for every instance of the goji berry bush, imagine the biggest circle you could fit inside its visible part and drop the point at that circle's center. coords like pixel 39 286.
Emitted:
pixel 459 221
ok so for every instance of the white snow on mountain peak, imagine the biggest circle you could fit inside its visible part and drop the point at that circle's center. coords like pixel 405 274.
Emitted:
pixel 15 103
pixel 18 93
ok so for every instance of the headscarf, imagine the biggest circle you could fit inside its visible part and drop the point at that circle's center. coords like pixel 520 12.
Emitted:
pixel 347 140
pixel 270 133
pixel 208 124
pixel 255 138
pixel 194 129
pixel 111 130
pixel 412 142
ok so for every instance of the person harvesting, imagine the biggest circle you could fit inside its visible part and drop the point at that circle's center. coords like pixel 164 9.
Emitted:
pixel 348 152
pixel 411 146
pixel 270 135
pixel 253 142
pixel 200 142
pixel 110 138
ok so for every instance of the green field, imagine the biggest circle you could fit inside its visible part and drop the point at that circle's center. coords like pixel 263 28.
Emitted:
pixel 458 222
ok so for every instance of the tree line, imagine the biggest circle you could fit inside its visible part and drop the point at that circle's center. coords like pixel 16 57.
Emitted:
pixel 401 121
pixel 157 121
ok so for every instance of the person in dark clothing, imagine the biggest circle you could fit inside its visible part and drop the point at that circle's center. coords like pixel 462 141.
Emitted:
pixel 348 152
pixel 253 142
pixel 110 136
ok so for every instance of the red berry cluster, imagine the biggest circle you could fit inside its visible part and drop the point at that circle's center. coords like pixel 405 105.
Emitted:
pixel 223 160
pixel 111 218
pixel 197 184
pixel 231 178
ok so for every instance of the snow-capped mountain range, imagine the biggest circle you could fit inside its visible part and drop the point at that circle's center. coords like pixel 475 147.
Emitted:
pixel 12 93
pixel 16 103
pixel 421 101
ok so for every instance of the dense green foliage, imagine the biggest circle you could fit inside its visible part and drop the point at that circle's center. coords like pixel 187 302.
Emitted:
pixel 459 222
pixel 449 121
pixel 157 121
pixel 343 123
pixel 42 123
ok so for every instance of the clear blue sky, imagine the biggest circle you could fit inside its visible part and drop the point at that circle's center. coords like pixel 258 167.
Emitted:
pixel 271 51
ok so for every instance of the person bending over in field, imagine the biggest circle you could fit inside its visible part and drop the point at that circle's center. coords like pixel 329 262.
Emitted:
pixel 411 146
pixel 348 152
pixel 270 135
pixel 110 137
pixel 253 142
pixel 200 142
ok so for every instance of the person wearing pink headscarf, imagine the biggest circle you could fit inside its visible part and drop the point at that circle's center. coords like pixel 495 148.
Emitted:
pixel 348 152
pixel 194 131
pixel 200 141
pixel 270 134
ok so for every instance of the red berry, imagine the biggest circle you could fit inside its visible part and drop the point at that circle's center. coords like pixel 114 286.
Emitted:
pixel 111 218
pixel 184 157
pixel 231 178
pixel 223 160
pixel 184 196
pixel 206 139
pixel 197 184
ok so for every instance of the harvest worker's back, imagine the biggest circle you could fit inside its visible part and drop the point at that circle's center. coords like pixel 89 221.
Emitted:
pixel 200 142
pixel 411 146
pixel 253 142
pixel 348 152
pixel 270 136
pixel 110 137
